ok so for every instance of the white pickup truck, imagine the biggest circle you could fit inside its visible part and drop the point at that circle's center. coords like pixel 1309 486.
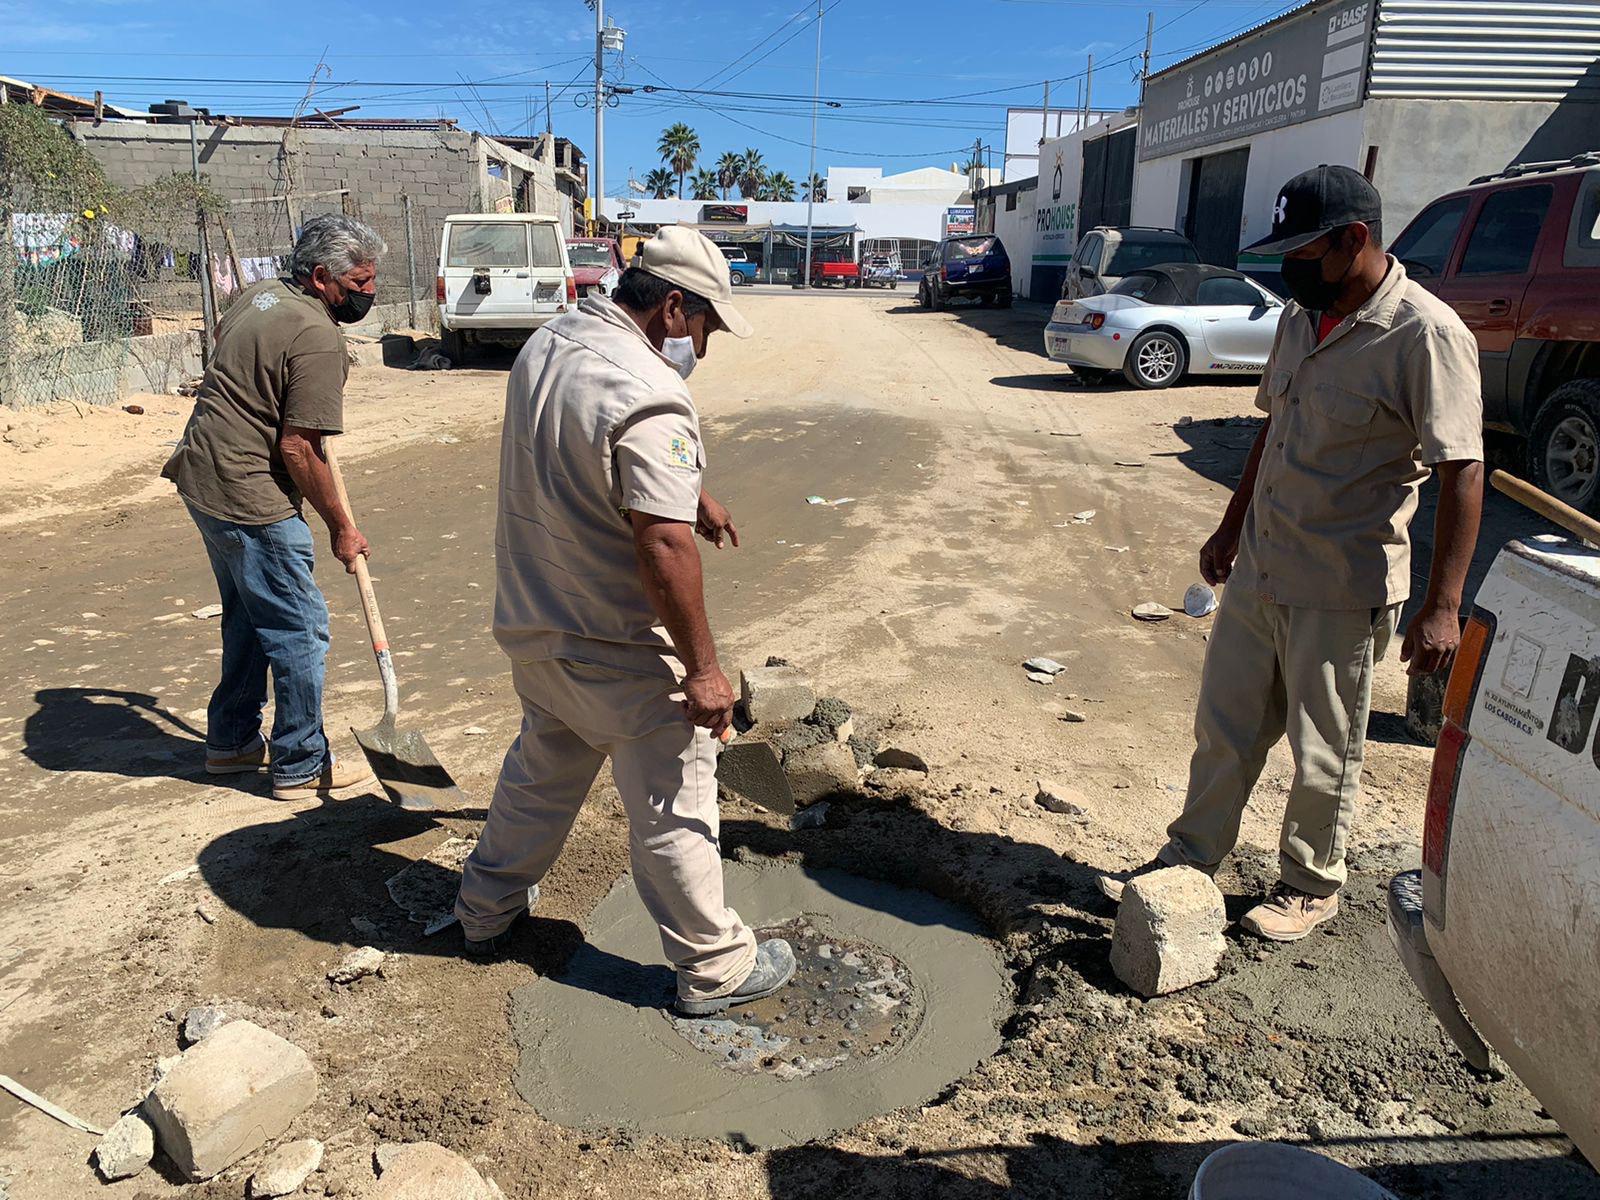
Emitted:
pixel 1500 928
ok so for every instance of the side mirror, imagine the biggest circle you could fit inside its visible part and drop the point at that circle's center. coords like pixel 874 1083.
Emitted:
pixel 1086 272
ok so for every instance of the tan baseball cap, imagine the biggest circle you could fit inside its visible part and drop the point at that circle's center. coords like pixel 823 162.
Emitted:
pixel 691 260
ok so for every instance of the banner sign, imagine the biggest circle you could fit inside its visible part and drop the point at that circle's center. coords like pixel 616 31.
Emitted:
pixel 1310 66
pixel 1055 222
pixel 958 221
pixel 727 214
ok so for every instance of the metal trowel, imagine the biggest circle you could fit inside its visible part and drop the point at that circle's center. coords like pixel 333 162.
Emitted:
pixel 752 770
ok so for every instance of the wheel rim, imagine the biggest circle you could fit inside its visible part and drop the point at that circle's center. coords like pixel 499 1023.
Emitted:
pixel 1157 360
pixel 1572 458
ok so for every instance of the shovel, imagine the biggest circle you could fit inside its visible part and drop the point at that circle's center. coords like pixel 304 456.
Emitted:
pixel 399 757
pixel 752 770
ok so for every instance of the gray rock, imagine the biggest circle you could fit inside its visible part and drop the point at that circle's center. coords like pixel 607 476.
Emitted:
pixel 814 817
pixel 1168 934
pixel 1047 666
pixel 229 1096
pixel 1041 677
pixel 1056 798
pixel 286 1168
pixel 829 714
pixel 358 964
pixel 200 1023
pixel 427 1171
pixel 126 1149
pixel 773 695
pixel 821 771
pixel 900 759
pixel 1073 717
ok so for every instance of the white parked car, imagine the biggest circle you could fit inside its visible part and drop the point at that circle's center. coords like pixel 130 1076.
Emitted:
pixel 501 276
pixel 1159 323
pixel 1502 923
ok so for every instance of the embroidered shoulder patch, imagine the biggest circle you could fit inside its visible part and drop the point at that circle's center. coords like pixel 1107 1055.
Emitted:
pixel 680 453
pixel 264 301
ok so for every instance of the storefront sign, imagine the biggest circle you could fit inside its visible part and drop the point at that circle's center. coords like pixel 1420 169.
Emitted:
pixel 1055 223
pixel 1308 67
pixel 728 214
pixel 958 221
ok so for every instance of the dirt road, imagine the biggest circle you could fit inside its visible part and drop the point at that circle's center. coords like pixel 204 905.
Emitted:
pixel 135 887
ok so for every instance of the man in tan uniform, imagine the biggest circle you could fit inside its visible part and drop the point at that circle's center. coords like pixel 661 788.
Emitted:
pixel 1372 381
pixel 599 606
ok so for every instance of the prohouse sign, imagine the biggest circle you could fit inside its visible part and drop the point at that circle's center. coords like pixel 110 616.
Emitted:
pixel 1308 67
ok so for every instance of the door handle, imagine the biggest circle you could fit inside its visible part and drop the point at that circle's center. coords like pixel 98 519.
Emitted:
pixel 1499 308
pixel 522 274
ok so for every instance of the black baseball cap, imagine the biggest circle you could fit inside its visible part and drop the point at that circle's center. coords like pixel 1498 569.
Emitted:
pixel 1315 202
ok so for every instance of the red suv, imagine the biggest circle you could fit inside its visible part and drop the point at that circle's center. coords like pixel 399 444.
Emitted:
pixel 1517 255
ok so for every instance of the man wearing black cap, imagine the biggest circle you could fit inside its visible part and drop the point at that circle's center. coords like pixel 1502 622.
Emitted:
pixel 1372 381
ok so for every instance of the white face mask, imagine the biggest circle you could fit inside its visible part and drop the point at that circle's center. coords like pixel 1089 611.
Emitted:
pixel 681 351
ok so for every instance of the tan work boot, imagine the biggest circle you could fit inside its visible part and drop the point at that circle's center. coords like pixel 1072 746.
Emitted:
pixel 335 777
pixel 1288 914
pixel 238 764
pixel 1113 882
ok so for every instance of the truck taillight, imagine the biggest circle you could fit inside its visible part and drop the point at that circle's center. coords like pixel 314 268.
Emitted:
pixel 438 288
pixel 572 290
pixel 1451 750
pixel 944 272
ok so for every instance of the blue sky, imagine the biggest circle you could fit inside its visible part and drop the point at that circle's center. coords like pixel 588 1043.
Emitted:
pixel 903 74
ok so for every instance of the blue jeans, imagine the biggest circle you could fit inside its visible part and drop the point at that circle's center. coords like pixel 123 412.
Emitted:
pixel 273 617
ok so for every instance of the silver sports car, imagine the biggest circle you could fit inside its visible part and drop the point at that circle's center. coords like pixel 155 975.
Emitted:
pixel 1161 322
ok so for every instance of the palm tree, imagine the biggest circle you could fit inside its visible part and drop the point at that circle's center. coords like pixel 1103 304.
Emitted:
pixel 704 184
pixel 752 173
pixel 817 187
pixel 679 148
pixel 729 167
pixel 779 187
pixel 659 183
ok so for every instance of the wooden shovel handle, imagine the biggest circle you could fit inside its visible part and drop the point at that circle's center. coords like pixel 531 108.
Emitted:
pixel 369 598
pixel 1574 522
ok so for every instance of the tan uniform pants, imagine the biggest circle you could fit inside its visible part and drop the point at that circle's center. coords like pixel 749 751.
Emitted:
pixel 1271 670
pixel 574 716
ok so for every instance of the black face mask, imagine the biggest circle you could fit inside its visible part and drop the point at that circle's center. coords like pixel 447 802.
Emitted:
pixel 1303 278
pixel 352 308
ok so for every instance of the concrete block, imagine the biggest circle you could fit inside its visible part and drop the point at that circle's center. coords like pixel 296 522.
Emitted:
pixel 1168 934
pixel 773 695
pixel 427 1171
pixel 820 771
pixel 127 1148
pixel 229 1096
pixel 286 1168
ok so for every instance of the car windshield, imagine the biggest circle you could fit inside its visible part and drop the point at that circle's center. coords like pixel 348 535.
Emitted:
pixel 1134 255
pixel 587 254
pixel 971 248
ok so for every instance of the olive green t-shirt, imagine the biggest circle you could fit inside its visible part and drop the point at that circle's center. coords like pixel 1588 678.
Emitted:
pixel 279 360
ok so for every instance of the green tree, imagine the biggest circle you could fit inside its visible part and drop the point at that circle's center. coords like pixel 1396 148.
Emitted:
pixel 679 149
pixel 704 184
pixel 729 168
pixel 752 174
pixel 817 187
pixel 659 183
pixel 780 187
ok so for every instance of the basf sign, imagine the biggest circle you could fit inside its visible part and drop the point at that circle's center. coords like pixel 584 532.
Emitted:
pixel 1309 66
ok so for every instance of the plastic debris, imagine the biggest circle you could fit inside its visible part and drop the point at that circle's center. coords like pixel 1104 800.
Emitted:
pixel 50 1110
pixel 1047 666
pixel 1199 601
pixel 1084 517
pixel 206 611
pixel 1151 612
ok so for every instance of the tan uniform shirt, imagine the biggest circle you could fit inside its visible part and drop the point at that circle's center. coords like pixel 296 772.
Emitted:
pixel 597 423
pixel 1355 423
pixel 279 360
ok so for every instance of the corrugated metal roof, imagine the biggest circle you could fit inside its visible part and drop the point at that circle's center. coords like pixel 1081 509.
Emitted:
pixel 1486 50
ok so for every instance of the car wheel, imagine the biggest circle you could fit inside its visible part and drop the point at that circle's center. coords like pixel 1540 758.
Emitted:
pixel 453 346
pixel 939 300
pixel 893 284
pixel 1089 376
pixel 1156 359
pixel 922 296
pixel 1005 300
pixel 1564 448
pixel 735 278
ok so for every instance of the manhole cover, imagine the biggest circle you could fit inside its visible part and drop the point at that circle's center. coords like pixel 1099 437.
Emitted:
pixel 848 1000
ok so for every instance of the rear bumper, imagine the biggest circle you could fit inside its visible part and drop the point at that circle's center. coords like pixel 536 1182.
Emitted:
pixel 1079 346
pixel 508 322
pixel 976 287
pixel 1409 933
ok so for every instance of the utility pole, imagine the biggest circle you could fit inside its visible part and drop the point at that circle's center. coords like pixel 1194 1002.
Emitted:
pixel 811 192
pixel 1044 129
pixel 208 302
pixel 1088 91
pixel 548 126
pixel 598 167
pixel 1149 39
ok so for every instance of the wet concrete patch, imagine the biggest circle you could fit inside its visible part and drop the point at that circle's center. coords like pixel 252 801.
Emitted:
pixel 600 1047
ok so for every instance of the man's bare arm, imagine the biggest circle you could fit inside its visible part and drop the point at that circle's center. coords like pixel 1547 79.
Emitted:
pixel 1217 555
pixel 1435 632
pixel 302 455
pixel 669 568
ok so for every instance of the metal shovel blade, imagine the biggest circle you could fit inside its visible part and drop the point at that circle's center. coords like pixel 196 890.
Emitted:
pixel 752 770
pixel 414 778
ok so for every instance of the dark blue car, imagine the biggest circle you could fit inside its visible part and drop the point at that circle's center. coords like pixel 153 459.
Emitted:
pixel 974 266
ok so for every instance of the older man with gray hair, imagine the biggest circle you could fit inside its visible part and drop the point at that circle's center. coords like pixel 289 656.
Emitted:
pixel 250 456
